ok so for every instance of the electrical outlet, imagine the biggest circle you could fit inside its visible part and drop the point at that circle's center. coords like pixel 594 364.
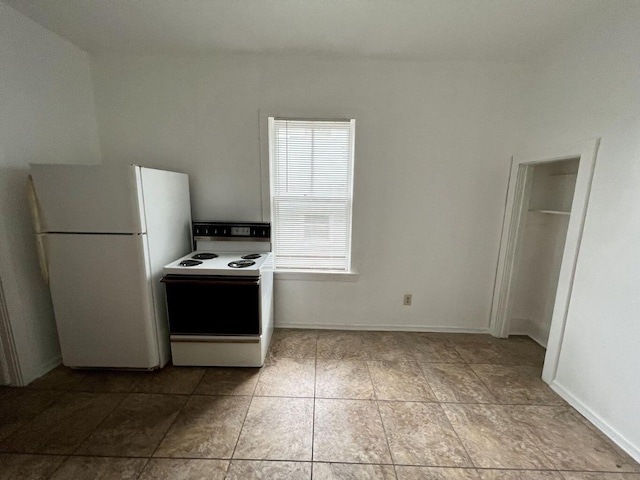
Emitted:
pixel 407 299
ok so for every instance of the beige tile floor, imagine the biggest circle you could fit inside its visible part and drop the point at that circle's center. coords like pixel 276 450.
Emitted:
pixel 328 405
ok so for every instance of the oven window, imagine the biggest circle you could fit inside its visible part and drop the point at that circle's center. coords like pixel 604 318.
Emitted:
pixel 311 169
pixel 198 307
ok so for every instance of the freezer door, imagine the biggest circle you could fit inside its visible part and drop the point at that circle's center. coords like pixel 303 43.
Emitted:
pixel 88 198
pixel 102 300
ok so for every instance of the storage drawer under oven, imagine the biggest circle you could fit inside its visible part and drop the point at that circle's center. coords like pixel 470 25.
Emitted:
pixel 207 305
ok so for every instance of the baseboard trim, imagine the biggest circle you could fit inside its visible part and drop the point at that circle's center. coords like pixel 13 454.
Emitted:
pixel 40 370
pixel 531 336
pixel 381 328
pixel 538 340
pixel 525 326
pixel 615 436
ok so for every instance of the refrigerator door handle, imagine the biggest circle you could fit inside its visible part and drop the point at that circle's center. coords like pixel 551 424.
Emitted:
pixel 42 256
pixel 33 205
pixel 35 218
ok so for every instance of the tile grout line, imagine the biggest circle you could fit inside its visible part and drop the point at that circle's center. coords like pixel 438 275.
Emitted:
pixel 384 429
pixel 67 457
pixel 473 463
pixel 386 437
pixel 313 418
pixel 32 420
pixel 148 459
pixel 442 409
pixel 531 438
pixel 204 374
pixel 484 384
pixel 313 413
pixel 470 365
pixel 124 397
pixel 426 381
pixel 439 403
pixel 244 420
pixel 165 433
pixel 89 434
pixel 143 469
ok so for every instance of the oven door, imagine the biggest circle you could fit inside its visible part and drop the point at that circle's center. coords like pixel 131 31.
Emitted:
pixel 213 305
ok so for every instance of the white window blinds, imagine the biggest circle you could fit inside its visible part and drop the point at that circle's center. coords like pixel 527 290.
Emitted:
pixel 311 193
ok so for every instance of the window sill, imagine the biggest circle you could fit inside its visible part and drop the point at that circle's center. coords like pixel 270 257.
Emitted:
pixel 317 276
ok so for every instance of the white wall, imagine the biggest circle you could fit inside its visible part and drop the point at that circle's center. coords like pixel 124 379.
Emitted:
pixel 47 115
pixel 590 87
pixel 433 150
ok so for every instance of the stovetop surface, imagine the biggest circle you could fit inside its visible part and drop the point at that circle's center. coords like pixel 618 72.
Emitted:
pixel 220 264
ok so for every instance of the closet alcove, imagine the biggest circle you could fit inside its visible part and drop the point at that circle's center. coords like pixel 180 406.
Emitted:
pixel 543 233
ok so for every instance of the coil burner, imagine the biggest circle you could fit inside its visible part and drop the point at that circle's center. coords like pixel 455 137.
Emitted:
pixel 241 263
pixel 190 263
pixel 205 256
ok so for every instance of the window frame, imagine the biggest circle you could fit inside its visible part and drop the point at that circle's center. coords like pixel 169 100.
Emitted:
pixel 350 274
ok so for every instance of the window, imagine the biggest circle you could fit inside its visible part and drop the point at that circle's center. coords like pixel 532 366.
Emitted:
pixel 311 165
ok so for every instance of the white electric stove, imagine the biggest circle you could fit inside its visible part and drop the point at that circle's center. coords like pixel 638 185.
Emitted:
pixel 220 296
pixel 210 262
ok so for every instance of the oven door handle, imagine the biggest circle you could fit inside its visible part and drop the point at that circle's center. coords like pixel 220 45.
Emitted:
pixel 213 339
pixel 211 281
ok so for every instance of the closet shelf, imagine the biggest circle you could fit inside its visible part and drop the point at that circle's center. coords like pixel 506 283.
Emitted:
pixel 552 212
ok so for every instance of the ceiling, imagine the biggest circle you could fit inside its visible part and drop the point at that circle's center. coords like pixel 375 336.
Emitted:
pixel 498 30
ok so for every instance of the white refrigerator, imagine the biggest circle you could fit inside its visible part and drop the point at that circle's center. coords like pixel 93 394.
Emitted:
pixel 104 233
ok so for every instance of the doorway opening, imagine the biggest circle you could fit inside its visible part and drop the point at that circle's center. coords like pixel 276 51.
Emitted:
pixel 547 209
pixel 544 217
